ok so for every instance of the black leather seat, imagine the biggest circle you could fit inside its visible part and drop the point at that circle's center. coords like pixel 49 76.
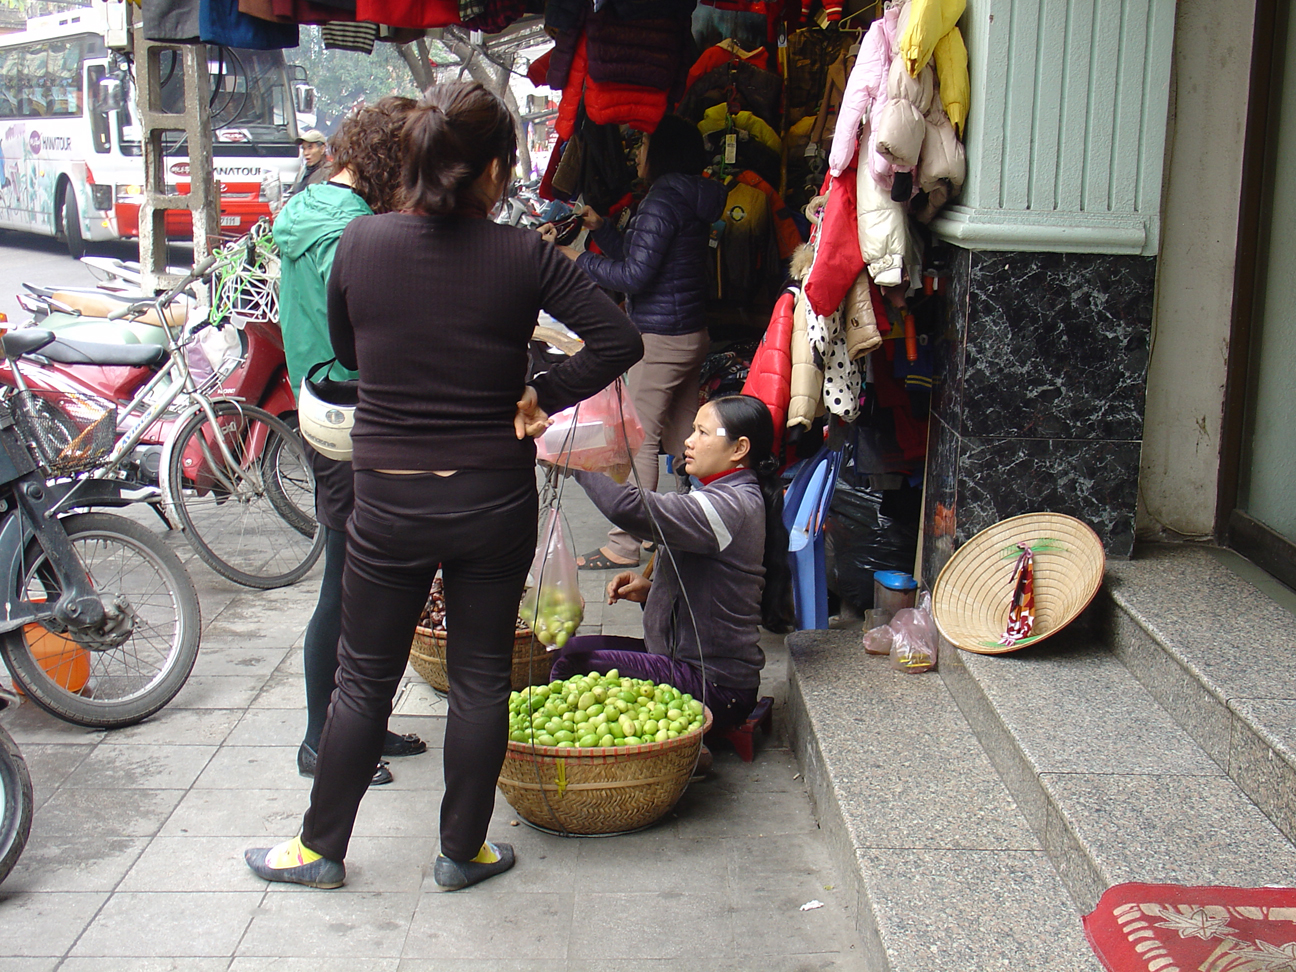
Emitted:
pixel 15 344
pixel 65 351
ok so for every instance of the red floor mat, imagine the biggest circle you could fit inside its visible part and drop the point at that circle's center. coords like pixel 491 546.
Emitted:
pixel 1170 928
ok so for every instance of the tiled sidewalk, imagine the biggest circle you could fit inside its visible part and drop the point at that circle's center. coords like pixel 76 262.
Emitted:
pixel 135 857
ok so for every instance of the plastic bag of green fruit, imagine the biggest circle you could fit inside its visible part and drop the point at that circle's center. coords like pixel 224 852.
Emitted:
pixel 552 605
pixel 599 711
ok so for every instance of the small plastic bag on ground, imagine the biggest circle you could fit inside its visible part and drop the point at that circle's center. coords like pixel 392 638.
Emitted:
pixel 878 641
pixel 600 434
pixel 552 605
pixel 913 647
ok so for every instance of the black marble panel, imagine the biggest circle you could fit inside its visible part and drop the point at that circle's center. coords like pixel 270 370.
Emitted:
pixel 947 368
pixel 941 498
pixel 1095 481
pixel 1056 345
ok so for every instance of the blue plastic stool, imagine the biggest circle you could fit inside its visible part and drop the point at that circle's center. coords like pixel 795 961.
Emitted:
pixel 805 507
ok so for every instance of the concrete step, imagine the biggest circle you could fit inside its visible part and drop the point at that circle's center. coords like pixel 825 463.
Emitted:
pixel 1213 639
pixel 945 870
pixel 1113 786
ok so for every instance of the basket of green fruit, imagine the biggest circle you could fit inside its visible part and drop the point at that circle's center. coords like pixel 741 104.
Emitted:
pixel 531 659
pixel 600 754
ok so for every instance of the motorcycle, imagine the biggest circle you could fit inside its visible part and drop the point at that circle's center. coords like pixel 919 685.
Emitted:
pixel 16 800
pixel 186 436
pixel 241 359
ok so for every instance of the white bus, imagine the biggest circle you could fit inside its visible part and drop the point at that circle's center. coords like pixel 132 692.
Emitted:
pixel 71 162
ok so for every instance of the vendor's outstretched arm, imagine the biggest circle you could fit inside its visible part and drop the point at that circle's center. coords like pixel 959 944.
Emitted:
pixel 698 522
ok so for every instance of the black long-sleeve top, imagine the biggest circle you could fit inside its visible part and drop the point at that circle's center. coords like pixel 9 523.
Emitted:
pixel 435 312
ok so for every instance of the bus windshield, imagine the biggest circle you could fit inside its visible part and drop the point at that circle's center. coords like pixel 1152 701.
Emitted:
pixel 251 104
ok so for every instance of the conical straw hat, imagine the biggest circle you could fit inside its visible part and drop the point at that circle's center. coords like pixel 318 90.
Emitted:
pixel 974 591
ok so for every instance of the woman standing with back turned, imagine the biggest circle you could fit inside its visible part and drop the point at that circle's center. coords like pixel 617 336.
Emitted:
pixel 435 307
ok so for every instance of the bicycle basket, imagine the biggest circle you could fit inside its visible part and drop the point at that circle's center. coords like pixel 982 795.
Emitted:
pixel 66 431
pixel 245 280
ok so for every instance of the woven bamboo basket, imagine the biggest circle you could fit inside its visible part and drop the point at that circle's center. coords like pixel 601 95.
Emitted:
pixel 592 792
pixel 531 660
pixel 974 591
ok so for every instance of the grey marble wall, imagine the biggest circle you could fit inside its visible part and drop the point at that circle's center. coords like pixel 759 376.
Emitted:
pixel 1039 405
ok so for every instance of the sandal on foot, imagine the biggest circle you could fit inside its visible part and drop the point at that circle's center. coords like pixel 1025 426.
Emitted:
pixel 403 745
pixel 453 875
pixel 306 766
pixel 598 560
pixel 317 873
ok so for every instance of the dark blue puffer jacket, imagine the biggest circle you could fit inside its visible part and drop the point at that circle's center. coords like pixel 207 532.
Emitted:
pixel 660 264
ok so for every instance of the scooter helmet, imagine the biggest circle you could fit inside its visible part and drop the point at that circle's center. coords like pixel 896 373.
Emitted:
pixel 326 415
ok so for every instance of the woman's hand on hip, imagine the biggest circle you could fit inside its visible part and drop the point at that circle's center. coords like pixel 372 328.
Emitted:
pixel 530 419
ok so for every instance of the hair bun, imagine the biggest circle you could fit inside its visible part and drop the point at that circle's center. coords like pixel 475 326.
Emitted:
pixel 767 466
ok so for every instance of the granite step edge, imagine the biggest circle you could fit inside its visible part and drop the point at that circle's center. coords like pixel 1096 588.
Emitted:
pixel 890 942
pixel 1064 806
pixel 1254 753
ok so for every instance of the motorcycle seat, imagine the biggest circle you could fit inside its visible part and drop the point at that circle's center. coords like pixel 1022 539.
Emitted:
pixel 15 344
pixel 96 303
pixel 66 351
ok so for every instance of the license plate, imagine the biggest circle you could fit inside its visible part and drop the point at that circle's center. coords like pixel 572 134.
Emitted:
pixel 229 220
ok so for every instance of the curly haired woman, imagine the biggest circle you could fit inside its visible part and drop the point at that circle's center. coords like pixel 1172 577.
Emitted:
pixel 366 179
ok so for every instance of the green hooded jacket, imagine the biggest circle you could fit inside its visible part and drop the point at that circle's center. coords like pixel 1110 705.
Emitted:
pixel 307 234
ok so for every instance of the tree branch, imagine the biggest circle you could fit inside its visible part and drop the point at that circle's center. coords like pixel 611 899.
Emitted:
pixel 418 66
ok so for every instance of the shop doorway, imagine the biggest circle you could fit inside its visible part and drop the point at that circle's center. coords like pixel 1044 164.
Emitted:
pixel 1259 510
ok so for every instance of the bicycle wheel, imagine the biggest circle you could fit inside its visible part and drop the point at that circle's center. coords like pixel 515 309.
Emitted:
pixel 290 483
pixel 141 660
pixel 229 512
pixel 15 803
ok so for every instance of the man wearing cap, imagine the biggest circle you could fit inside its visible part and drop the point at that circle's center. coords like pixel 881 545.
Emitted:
pixel 314 160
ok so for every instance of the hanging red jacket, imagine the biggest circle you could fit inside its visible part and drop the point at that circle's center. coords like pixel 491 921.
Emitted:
pixel 565 123
pixel 770 375
pixel 723 53
pixel 409 13
pixel 838 261
pixel 624 104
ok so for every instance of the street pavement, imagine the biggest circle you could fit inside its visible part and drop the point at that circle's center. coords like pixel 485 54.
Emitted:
pixel 135 856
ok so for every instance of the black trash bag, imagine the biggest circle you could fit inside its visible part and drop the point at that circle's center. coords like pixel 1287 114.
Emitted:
pixel 868 530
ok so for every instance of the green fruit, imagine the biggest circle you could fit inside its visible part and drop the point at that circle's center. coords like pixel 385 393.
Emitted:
pixel 607 739
pixel 544 739
pixel 588 740
pixel 632 741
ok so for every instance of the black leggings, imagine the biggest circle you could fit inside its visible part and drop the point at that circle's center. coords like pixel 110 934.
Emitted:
pixel 319 654
pixel 480 527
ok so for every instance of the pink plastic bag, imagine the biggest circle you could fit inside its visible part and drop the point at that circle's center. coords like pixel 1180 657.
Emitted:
pixel 913 647
pixel 601 434
pixel 552 605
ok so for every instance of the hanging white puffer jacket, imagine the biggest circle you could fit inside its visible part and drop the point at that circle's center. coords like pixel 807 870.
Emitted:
pixel 883 229
pixel 901 124
pixel 942 166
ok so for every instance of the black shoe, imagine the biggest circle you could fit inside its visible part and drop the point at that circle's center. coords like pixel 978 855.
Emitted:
pixel 453 875
pixel 406 745
pixel 317 874
pixel 306 767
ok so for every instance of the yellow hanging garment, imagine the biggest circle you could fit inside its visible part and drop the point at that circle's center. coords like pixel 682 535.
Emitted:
pixel 716 119
pixel 929 21
pixel 952 71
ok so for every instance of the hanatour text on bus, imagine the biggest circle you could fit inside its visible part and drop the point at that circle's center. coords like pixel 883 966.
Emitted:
pixel 71 160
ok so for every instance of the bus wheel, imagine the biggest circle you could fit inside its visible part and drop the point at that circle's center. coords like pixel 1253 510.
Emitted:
pixel 72 224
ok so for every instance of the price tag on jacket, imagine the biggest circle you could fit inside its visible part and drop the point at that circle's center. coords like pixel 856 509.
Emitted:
pixel 731 148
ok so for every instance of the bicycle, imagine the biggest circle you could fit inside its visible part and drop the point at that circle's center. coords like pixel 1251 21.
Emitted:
pixel 101 621
pixel 233 476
